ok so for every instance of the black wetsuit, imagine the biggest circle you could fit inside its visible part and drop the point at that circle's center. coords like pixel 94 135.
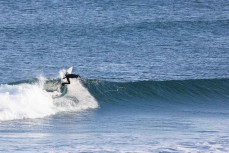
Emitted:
pixel 67 76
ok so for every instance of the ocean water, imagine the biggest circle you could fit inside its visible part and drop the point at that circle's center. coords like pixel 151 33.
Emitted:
pixel 155 76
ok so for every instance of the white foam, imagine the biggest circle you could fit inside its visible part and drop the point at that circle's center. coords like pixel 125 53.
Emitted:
pixel 32 101
pixel 24 101
pixel 77 98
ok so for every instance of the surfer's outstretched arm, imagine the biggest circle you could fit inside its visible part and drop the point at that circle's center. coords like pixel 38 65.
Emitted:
pixel 74 76
pixel 77 76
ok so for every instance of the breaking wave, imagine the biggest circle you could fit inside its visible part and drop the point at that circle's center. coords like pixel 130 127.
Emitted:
pixel 43 97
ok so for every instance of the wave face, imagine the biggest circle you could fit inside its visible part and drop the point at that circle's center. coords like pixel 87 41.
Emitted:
pixel 36 99
pixel 196 92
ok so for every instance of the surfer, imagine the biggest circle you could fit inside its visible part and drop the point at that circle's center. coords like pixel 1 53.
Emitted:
pixel 67 76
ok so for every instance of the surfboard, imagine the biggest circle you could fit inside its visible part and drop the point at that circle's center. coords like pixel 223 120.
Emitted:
pixel 69 70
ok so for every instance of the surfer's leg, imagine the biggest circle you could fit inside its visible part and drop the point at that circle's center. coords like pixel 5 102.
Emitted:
pixel 66 82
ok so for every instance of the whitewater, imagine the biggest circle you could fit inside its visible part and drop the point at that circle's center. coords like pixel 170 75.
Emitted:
pixel 32 100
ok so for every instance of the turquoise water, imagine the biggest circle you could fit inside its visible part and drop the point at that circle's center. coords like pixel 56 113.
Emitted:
pixel 155 76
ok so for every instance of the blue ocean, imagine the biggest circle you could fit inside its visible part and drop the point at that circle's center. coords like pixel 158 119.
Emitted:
pixel 154 76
